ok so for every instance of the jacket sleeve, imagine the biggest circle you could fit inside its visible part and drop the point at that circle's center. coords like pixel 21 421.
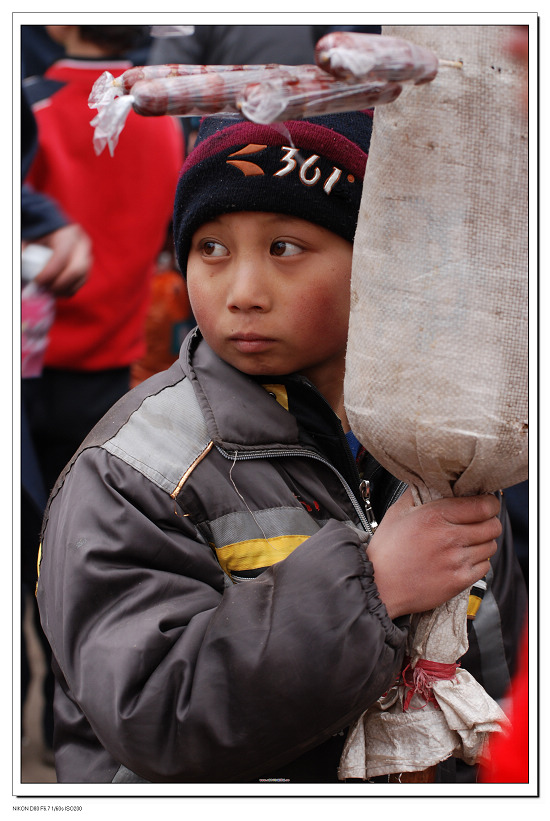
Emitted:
pixel 40 215
pixel 181 677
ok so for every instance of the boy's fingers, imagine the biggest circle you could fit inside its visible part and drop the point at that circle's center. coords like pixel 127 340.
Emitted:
pixel 477 564
pixel 462 510
pixel 486 531
pixel 479 570
pixel 483 552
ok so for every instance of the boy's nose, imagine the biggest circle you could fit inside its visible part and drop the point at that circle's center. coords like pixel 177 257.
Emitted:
pixel 248 290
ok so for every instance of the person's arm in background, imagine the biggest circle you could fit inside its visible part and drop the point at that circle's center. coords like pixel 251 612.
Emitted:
pixel 43 222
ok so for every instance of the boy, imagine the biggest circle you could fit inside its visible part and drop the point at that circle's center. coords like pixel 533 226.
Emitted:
pixel 216 606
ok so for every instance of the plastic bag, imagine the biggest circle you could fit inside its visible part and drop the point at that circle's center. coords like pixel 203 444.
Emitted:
pixel 37 311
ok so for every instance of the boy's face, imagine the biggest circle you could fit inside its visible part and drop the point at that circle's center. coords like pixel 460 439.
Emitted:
pixel 271 295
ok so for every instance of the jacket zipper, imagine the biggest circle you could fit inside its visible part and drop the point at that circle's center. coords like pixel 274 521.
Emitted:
pixel 271 454
pixel 399 491
pixel 364 489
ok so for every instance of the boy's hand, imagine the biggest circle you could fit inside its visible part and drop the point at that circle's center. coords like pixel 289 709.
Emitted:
pixel 425 555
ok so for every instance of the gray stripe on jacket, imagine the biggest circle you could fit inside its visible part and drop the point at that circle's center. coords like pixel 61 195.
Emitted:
pixel 159 440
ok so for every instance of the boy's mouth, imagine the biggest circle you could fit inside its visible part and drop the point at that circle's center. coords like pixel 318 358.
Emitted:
pixel 250 342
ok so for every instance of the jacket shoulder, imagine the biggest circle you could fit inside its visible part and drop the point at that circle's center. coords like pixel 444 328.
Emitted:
pixel 157 428
pixel 164 437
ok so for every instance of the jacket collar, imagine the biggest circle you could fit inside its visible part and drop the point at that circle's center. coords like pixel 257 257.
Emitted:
pixel 240 414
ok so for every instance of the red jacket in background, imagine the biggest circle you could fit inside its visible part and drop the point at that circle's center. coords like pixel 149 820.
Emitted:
pixel 509 752
pixel 123 202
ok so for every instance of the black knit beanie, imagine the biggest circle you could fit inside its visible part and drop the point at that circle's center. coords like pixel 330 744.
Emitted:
pixel 312 169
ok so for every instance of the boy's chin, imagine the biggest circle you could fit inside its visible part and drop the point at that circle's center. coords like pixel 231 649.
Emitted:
pixel 262 369
pixel 259 365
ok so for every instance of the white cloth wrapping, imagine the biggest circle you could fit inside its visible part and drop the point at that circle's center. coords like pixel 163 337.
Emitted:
pixel 388 740
pixel 436 378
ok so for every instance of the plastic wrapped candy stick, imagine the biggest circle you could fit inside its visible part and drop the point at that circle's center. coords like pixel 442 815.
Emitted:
pixel 208 93
pixel 277 99
pixel 353 55
pixel 107 87
pixel 193 95
pixel 113 112
pixel 291 91
pixel 204 92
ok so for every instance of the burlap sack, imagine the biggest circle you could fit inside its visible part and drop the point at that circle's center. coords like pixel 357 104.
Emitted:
pixel 436 382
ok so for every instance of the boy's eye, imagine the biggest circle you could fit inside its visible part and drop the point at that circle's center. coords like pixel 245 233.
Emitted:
pixel 211 248
pixel 283 248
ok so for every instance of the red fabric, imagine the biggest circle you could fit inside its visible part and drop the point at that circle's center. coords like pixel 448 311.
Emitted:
pixel 124 203
pixel 421 678
pixel 509 753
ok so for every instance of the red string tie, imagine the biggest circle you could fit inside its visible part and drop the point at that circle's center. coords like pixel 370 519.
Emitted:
pixel 420 680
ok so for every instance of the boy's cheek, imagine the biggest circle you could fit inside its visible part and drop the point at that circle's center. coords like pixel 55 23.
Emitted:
pixel 328 304
pixel 198 293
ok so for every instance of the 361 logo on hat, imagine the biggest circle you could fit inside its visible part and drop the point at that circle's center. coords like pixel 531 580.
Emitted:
pixel 309 173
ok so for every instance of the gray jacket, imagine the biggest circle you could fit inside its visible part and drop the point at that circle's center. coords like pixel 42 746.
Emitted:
pixel 204 585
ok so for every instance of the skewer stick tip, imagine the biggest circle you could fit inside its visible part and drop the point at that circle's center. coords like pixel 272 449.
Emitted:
pixel 451 63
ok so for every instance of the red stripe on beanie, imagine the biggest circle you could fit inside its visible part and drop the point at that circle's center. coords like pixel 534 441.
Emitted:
pixel 303 134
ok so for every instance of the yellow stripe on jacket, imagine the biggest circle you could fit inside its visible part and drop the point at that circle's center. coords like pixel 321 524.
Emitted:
pixel 255 553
